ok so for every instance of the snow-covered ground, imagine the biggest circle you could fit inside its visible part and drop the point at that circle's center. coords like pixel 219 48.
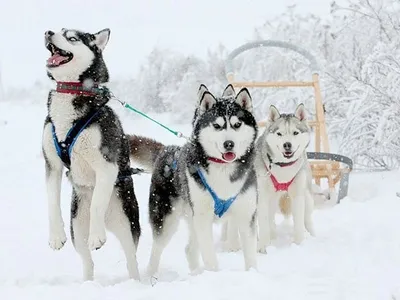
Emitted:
pixel 356 254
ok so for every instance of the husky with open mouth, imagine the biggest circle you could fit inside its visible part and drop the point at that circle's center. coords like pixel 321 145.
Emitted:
pixel 284 175
pixel 208 179
pixel 84 135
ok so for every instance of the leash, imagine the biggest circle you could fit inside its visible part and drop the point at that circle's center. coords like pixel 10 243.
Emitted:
pixel 131 108
pixel 79 88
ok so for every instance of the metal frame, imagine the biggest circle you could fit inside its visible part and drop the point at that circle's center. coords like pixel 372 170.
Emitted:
pixel 323 163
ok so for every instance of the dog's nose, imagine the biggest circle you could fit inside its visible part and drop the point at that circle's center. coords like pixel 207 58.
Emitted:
pixel 228 145
pixel 287 146
pixel 48 33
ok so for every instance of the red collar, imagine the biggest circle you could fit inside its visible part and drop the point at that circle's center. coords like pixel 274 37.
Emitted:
pixel 217 160
pixel 279 186
pixel 77 88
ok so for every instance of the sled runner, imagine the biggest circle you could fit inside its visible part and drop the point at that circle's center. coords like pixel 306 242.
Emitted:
pixel 334 168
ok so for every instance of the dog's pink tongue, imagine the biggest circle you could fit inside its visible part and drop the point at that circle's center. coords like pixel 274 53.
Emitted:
pixel 56 59
pixel 229 156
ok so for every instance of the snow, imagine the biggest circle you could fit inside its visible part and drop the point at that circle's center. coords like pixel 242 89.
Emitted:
pixel 355 255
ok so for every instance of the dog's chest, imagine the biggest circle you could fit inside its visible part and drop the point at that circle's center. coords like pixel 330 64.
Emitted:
pixel 62 113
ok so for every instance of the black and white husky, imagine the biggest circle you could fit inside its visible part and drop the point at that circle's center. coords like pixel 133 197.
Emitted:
pixel 83 134
pixel 209 178
pixel 284 175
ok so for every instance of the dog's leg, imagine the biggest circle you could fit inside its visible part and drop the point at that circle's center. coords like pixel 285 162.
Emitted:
pixel 122 220
pixel 80 230
pixel 309 207
pixel 57 237
pixel 161 237
pixel 106 175
pixel 203 224
pixel 224 232
pixel 248 236
pixel 192 248
pixel 298 209
pixel 263 214
pixel 232 243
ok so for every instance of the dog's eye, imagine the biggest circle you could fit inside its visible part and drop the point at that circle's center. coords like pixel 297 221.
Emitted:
pixel 216 126
pixel 295 133
pixel 72 39
pixel 237 125
pixel 279 134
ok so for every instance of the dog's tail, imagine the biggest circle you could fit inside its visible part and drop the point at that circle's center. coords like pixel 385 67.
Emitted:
pixel 144 151
pixel 284 205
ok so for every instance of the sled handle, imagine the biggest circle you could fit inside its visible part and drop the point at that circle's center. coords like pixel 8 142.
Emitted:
pixel 270 43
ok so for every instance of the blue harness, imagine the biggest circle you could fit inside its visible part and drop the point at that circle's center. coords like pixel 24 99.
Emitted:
pixel 64 147
pixel 221 206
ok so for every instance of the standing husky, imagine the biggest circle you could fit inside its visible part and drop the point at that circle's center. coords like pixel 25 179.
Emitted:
pixel 209 178
pixel 284 174
pixel 84 135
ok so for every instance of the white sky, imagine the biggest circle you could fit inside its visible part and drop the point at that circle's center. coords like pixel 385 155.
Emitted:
pixel 188 26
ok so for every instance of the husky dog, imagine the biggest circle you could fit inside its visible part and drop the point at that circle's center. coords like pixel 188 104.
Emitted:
pixel 284 174
pixel 209 178
pixel 82 133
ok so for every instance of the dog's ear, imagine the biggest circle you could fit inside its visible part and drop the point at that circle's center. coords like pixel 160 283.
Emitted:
pixel 229 91
pixel 300 112
pixel 273 114
pixel 206 102
pixel 101 38
pixel 200 92
pixel 243 98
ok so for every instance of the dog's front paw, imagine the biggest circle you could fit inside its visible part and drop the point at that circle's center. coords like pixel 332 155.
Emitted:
pixel 211 267
pixel 262 249
pixel 57 239
pixel 96 240
pixel 298 237
pixel 231 246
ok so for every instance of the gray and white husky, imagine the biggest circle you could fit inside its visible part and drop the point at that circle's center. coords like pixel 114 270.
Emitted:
pixel 284 175
pixel 82 133
pixel 209 178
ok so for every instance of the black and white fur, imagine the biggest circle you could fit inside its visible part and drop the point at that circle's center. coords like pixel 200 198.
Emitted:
pixel 99 154
pixel 284 140
pixel 176 193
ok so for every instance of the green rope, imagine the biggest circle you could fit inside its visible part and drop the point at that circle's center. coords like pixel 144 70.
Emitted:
pixel 126 105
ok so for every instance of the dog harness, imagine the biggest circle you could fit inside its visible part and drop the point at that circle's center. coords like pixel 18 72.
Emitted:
pixel 64 148
pixel 280 186
pixel 221 206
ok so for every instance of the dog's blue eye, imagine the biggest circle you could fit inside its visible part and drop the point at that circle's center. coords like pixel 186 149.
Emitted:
pixel 295 133
pixel 72 39
pixel 279 134
pixel 237 125
pixel 216 126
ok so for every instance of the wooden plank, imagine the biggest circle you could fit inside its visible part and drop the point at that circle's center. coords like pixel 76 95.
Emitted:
pixel 272 83
pixel 310 123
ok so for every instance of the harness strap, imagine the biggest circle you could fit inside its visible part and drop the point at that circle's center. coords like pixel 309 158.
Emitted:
pixel 220 206
pixel 280 186
pixel 64 148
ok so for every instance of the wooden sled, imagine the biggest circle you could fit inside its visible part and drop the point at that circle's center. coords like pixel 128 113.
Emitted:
pixel 334 167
